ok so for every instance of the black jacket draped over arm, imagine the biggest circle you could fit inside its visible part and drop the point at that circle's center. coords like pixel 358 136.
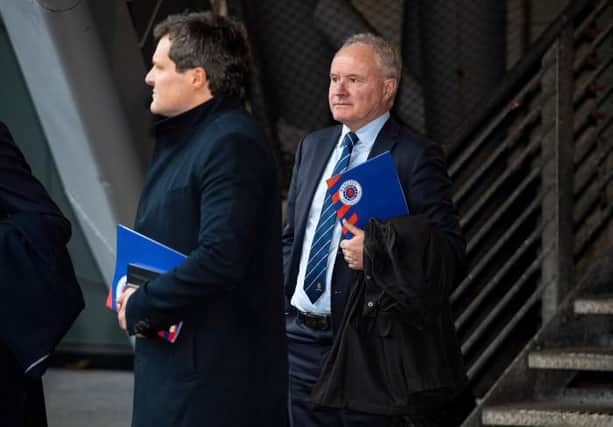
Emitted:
pixel 396 352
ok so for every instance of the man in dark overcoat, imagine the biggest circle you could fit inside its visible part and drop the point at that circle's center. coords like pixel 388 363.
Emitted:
pixel 210 192
pixel 40 294
pixel 319 266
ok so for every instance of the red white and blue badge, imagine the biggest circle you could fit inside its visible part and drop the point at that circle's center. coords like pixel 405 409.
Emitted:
pixel 350 192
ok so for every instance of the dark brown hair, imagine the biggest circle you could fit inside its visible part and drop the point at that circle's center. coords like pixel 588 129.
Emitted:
pixel 213 42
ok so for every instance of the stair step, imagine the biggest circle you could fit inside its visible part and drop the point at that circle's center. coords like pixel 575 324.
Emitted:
pixel 598 304
pixel 590 394
pixel 580 359
pixel 548 413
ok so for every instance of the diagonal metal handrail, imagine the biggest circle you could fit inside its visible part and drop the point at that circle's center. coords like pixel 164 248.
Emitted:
pixel 593 198
pixel 527 121
pixel 593 229
pixel 594 14
pixel 506 331
pixel 584 115
pixel 500 274
pixel 505 300
pixel 493 219
pixel 585 86
pixel 513 167
pixel 600 157
pixel 489 255
pixel 469 151
pixel 605 96
pixel 584 145
pixel 580 61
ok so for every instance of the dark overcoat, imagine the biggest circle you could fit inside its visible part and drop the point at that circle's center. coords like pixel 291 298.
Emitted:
pixel 211 192
pixel 40 294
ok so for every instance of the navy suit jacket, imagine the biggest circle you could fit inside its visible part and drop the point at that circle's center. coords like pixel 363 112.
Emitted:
pixel 423 176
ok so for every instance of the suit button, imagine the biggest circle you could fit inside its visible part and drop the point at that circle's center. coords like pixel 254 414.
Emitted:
pixel 368 277
pixel 370 304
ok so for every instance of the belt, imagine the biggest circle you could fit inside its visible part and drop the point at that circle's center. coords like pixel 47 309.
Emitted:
pixel 320 322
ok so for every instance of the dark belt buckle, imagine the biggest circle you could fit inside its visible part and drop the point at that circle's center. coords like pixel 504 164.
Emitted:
pixel 316 321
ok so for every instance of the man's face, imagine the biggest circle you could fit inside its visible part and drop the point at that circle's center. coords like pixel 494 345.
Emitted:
pixel 173 92
pixel 359 92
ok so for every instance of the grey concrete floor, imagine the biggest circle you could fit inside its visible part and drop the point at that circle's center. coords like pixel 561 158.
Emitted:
pixel 88 398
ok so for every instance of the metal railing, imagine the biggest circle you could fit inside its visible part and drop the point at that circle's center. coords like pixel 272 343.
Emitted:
pixel 534 186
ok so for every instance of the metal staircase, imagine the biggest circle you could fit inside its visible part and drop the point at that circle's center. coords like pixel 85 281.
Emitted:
pixel 564 376
pixel 533 178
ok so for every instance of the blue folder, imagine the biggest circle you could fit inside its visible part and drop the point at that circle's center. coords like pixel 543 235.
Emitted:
pixel 369 190
pixel 143 252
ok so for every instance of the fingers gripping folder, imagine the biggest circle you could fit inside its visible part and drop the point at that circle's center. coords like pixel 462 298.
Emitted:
pixel 141 259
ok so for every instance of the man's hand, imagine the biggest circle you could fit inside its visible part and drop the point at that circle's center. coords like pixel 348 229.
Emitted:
pixel 122 303
pixel 353 249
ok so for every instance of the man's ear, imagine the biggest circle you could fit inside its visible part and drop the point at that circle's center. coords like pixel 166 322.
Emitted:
pixel 389 88
pixel 199 78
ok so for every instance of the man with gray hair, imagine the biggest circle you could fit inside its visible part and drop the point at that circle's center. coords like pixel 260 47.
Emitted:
pixel 341 374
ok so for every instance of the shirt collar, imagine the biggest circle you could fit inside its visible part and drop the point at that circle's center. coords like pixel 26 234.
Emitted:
pixel 367 133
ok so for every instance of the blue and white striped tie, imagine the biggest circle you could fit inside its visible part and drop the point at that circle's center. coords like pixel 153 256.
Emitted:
pixel 315 278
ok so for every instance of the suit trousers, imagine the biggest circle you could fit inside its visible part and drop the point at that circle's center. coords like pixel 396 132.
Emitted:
pixel 308 350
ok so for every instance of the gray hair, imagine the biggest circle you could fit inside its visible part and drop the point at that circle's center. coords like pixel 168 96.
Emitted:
pixel 387 56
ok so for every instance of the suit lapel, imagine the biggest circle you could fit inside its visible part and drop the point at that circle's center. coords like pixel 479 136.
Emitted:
pixel 320 160
pixel 386 139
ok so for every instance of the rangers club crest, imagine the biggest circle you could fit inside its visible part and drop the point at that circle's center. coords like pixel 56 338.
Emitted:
pixel 350 192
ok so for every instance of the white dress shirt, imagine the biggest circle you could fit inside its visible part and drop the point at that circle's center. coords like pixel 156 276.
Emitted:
pixel 367 135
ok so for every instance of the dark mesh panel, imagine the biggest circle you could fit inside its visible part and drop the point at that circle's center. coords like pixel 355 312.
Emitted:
pixel 141 12
pixel 464 46
pixel 295 60
pixel 338 19
pixel 386 17
pixel 411 43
